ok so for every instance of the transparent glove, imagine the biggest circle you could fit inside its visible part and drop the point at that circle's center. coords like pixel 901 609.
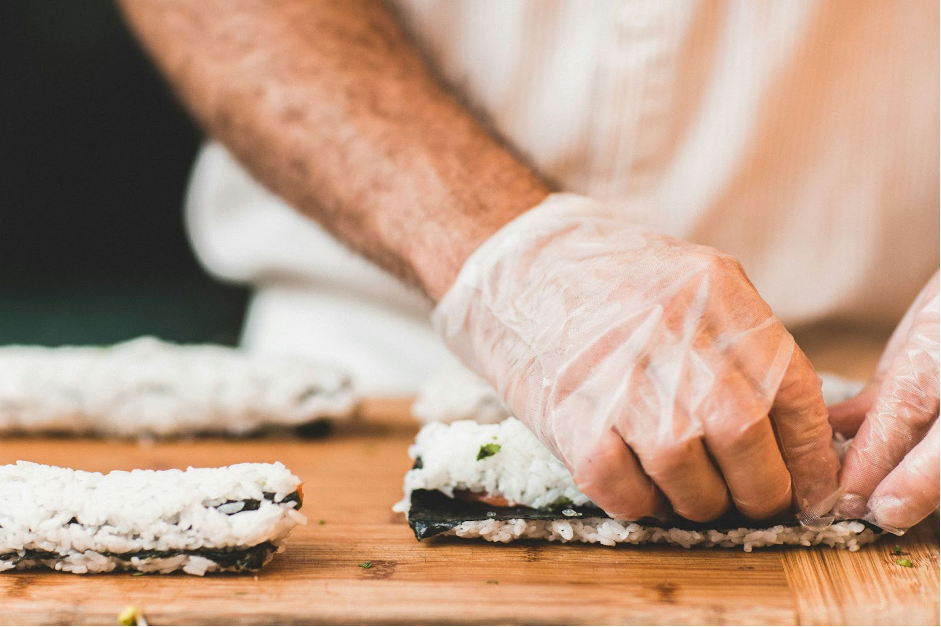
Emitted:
pixel 649 365
pixel 890 472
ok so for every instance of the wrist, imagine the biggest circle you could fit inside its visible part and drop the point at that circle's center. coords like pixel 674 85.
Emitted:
pixel 507 257
pixel 441 249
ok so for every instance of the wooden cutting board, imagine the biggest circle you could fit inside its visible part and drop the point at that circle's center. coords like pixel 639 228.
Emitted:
pixel 351 481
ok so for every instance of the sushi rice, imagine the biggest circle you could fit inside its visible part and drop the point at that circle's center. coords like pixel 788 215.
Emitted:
pixel 197 521
pixel 146 387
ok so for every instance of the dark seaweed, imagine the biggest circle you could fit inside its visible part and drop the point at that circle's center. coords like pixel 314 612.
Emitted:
pixel 434 512
pixel 252 558
pixel 314 430
pixel 250 505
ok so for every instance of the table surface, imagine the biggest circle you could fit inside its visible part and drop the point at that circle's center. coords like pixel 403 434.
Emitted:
pixel 353 477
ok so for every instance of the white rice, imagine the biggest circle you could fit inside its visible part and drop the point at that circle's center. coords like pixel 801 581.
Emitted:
pixel 456 393
pixel 843 535
pixel 523 471
pixel 148 387
pixel 89 522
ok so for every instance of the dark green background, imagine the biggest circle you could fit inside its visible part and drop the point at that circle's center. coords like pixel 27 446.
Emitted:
pixel 95 158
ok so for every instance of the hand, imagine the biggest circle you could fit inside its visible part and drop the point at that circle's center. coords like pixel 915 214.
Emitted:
pixel 890 472
pixel 650 366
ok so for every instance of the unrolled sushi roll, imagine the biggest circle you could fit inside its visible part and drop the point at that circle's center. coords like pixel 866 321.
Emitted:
pixel 147 387
pixel 198 521
pixel 500 483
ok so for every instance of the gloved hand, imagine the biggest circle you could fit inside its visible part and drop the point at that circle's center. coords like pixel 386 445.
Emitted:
pixel 649 365
pixel 890 472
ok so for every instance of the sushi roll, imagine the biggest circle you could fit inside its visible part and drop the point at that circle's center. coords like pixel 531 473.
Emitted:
pixel 499 483
pixel 198 521
pixel 147 387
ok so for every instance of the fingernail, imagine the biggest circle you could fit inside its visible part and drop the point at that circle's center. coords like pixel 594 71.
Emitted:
pixel 851 506
pixel 889 513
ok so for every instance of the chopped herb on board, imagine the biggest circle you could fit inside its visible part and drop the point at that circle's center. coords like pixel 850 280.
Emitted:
pixel 904 561
pixel 492 581
pixel 320 521
pixel 896 549
pixel 137 573
pixel 488 450
pixel 366 565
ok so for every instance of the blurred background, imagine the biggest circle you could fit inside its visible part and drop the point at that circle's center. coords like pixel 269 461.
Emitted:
pixel 96 155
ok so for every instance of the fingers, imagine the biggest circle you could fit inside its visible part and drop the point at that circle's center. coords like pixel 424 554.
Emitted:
pixel 910 492
pixel 847 416
pixel 752 466
pixel 753 469
pixel 612 477
pixel 684 473
pixel 800 418
pixel 902 415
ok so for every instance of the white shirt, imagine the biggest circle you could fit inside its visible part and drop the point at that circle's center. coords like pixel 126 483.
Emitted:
pixel 799 136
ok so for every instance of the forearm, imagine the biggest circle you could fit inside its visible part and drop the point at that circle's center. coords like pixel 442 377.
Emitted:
pixel 329 106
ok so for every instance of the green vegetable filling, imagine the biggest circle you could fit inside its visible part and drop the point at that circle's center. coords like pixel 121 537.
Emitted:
pixel 560 503
pixel 488 450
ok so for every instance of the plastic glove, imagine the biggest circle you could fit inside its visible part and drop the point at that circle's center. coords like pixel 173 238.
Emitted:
pixel 648 365
pixel 890 472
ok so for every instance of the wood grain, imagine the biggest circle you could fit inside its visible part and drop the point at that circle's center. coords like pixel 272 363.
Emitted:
pixel 885 591
pixel 352 479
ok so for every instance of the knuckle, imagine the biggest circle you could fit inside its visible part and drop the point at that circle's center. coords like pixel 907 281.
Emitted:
pixel 667 459
pixel 723 263
pixel 803 391
pixel 875 458
pixel 811 440
pixel 737 436
pixel 913 408
pixel 773 500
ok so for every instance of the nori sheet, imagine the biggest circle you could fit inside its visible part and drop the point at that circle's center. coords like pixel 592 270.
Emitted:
pixel 434 512
pixel 253 504
pixel 251 558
